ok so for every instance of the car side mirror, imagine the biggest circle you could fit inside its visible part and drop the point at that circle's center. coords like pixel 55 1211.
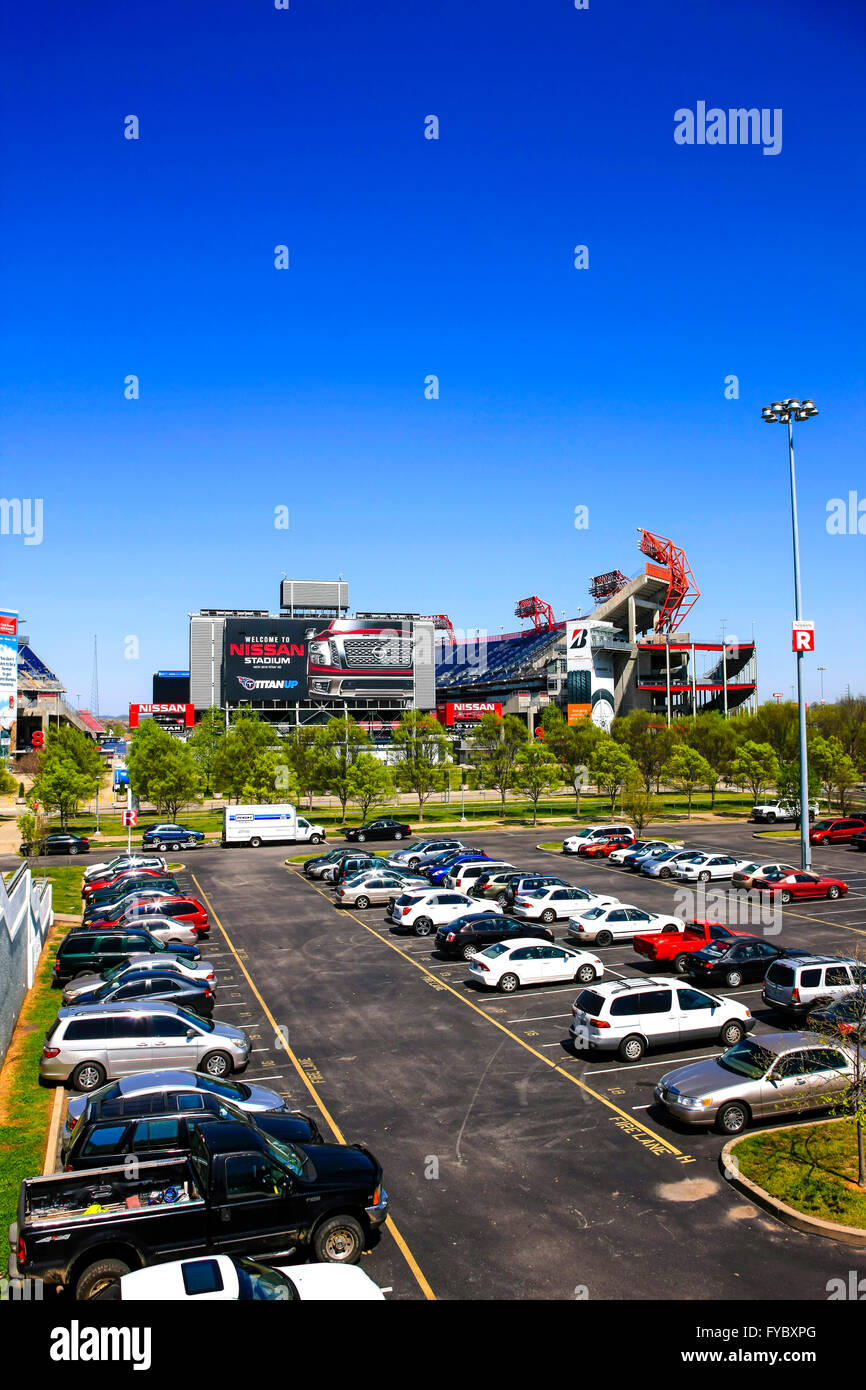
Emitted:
pixel 190 1035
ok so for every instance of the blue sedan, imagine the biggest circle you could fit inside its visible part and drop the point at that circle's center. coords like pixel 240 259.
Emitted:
pixel 170 837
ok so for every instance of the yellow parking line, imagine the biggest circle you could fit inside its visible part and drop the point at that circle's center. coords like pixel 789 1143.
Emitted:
pixel 335 1128
pixel 441 985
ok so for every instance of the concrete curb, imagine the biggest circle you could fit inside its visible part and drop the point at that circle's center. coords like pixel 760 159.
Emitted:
pixel 50 1165
pixel 808 1225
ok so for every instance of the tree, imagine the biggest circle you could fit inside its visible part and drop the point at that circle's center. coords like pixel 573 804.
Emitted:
pixel 639 804
pixel 305 753
pixel 788 785
pixel 162 769
pixel 236 761
pixel 32 827
pixel 834 767
pixel 370 782
pixel 498 743
pixel 421 747
pixel 207 739
pixel 845 1023
pixel 342 741
pixel 574 745
pixel 687 769
pixel 714 737
pixel 647 742
pixel 70 771
pixel 755 766
pixel 610 769
pixel 777 725
pixel 270 778
pixel 536 771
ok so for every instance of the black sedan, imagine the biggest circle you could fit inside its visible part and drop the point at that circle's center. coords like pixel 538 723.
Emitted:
pixel 198 996
pixel 385 829
pixel 733 963
pixel 113 1131
pixel 58 844
pixel 466 935
pixel 843 1018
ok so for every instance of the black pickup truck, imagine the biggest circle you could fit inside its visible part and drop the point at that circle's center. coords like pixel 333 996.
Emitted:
pixel 239 1192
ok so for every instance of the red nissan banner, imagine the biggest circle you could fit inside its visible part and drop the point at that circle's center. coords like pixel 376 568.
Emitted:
pixel 184 713
pixel 459 712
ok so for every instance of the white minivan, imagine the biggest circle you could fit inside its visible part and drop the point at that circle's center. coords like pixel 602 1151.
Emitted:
pixel 591 833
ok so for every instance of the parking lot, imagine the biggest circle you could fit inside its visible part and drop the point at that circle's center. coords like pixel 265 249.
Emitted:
pixel 516 1168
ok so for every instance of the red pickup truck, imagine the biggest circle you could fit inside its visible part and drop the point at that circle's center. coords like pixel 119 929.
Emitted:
pixel 673 947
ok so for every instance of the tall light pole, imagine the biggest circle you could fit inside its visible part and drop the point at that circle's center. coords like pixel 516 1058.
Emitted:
pixel 821 670
pixel 785 413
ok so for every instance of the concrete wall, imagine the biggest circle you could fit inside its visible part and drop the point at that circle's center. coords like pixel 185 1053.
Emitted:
pixel 26 916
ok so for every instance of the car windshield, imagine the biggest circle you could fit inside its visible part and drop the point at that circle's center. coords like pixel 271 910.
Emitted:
pixel 287 1156
pixel 260 1284
pixel 748 1058
pixel 195 1021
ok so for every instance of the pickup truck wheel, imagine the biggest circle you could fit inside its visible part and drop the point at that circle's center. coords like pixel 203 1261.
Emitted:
pixel 733 1117
pixel 631 1049
pixel 585 975
pixel 771 816
pixel 216 1064
pixel 731 1034
pixel 604 938
pixel 97 1277
pixel 680 963
pixel 734 978
pixel 88 1076
pixel 339 1241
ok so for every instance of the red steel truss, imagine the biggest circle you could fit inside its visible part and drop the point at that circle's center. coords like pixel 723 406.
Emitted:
pixel 683 593
pixel 442 623
pixel 535 608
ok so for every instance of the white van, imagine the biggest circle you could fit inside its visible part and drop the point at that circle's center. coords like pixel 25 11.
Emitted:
pixel 268 825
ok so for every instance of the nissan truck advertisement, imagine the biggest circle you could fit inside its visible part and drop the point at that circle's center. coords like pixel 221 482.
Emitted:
pixel 288 659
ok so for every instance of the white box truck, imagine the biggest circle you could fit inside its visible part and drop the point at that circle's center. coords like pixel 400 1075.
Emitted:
pixel 268 825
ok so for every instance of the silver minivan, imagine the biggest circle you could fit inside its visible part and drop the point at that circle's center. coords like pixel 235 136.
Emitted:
pixel 794 984
pixel 95 1043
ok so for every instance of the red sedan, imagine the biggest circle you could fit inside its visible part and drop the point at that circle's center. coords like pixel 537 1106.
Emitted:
pixel 95 884
pixel 189 911
pixel 600 849
pixel 801 884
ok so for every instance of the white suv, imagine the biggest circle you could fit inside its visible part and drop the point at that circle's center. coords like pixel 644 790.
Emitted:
pixel 463 876
pixel 629 1016
pixel 592 833
pixel 421 912
pixel 795 983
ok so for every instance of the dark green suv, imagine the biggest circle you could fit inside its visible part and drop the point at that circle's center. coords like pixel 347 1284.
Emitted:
pixel 91 952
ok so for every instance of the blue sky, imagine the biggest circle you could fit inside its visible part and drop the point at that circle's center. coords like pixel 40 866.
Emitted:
pixel 304 388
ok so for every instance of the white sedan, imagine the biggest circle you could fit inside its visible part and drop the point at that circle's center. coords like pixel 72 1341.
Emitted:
pixel 531 962
pixel 548 904
pixel 235 1279
pixel 708 866
pixel 421 912
pixel 620 923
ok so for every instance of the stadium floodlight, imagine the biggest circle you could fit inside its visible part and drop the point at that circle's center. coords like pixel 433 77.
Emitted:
pixel 784 413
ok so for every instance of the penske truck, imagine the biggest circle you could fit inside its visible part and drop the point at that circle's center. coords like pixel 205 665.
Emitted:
pixel 268 825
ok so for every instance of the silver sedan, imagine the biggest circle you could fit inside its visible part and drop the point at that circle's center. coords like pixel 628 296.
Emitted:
pixel 775 1076
pixel 368 889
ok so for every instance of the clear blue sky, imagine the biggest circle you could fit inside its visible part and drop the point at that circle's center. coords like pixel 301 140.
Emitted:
pixel 305 388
